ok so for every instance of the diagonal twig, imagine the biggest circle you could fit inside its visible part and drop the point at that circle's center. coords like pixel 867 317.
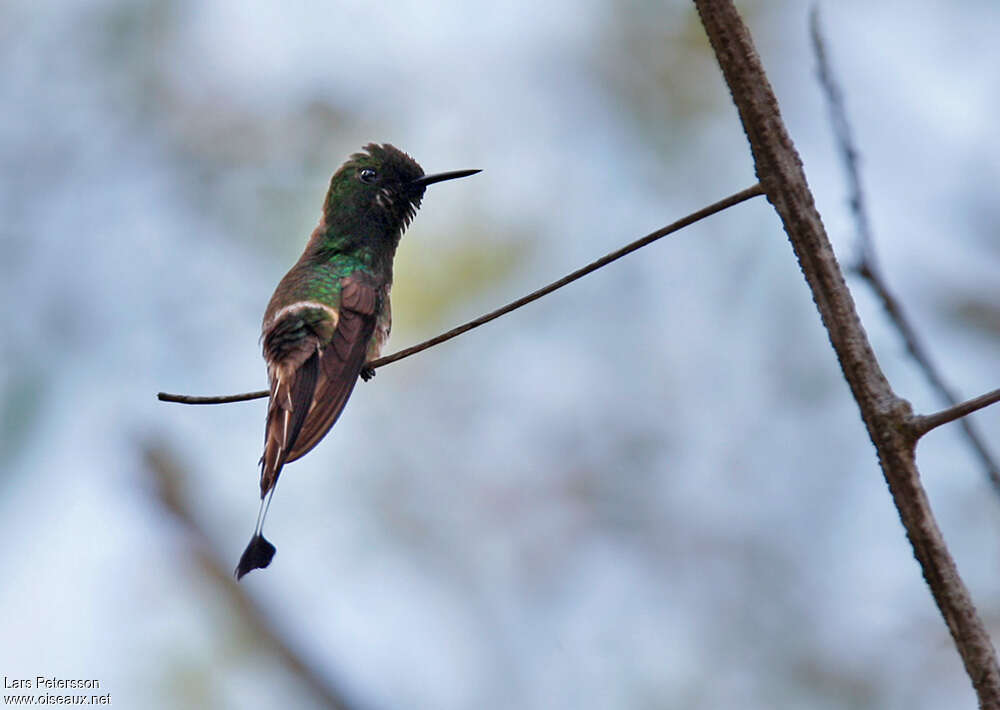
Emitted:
pixel 922 424
pixel 866 264
pixel 167 478
pixel 690 219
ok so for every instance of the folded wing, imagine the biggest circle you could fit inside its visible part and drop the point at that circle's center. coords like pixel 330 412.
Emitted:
pixel 314 358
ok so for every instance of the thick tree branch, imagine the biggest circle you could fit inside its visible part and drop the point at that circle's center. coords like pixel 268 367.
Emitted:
pixel 885 415
pixel 867 265
pixel 690 219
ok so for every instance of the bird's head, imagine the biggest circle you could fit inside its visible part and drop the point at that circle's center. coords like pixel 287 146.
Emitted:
pixel 381 187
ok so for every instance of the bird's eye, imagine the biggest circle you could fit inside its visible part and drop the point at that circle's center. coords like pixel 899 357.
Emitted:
pixel 367 175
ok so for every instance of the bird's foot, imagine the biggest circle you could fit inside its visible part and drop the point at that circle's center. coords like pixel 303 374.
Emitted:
pixel 367 373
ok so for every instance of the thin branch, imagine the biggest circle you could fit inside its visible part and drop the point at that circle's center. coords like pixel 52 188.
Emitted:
pixel 920 425
pixel 885 414
pixel 220 399
pixel 867 265
pixel 845 142
pixel 723 204
pixel 578 274
pixel 168 483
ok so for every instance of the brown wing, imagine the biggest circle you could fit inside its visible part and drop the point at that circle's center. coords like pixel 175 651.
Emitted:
pixel 291 347
pixel 339 361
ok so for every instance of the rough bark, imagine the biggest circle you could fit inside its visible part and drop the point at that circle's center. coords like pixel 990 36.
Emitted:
pixel 886 415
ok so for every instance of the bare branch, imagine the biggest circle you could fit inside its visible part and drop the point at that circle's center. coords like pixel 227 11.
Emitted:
pixel 723 204
pixel 867 265
pixel 886 416
pixel 578 274
pixel 920 425
pixel 166 474
pixel 219 399
pixel 845 142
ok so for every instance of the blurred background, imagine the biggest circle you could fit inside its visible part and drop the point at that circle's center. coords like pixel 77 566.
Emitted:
pixel 651 489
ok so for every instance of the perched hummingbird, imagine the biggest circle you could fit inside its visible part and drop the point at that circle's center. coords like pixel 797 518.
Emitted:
pixel 330 314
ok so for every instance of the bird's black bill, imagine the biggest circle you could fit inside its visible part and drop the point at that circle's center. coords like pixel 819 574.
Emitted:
pixel 258 555
pixel 439 177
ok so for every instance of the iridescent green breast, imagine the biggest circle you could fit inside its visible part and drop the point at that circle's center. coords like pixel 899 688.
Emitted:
pixel 321 282
pixel 318 282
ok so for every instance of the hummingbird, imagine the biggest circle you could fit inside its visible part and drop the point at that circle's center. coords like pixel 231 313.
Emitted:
pixel 330 314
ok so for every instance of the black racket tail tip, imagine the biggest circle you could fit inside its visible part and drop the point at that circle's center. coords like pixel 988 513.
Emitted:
pixel 258 555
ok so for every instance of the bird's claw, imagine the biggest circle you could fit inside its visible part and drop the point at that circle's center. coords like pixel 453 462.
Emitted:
pixel 367 373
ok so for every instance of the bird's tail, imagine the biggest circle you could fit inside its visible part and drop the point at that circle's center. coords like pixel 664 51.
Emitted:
pixel 260 551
